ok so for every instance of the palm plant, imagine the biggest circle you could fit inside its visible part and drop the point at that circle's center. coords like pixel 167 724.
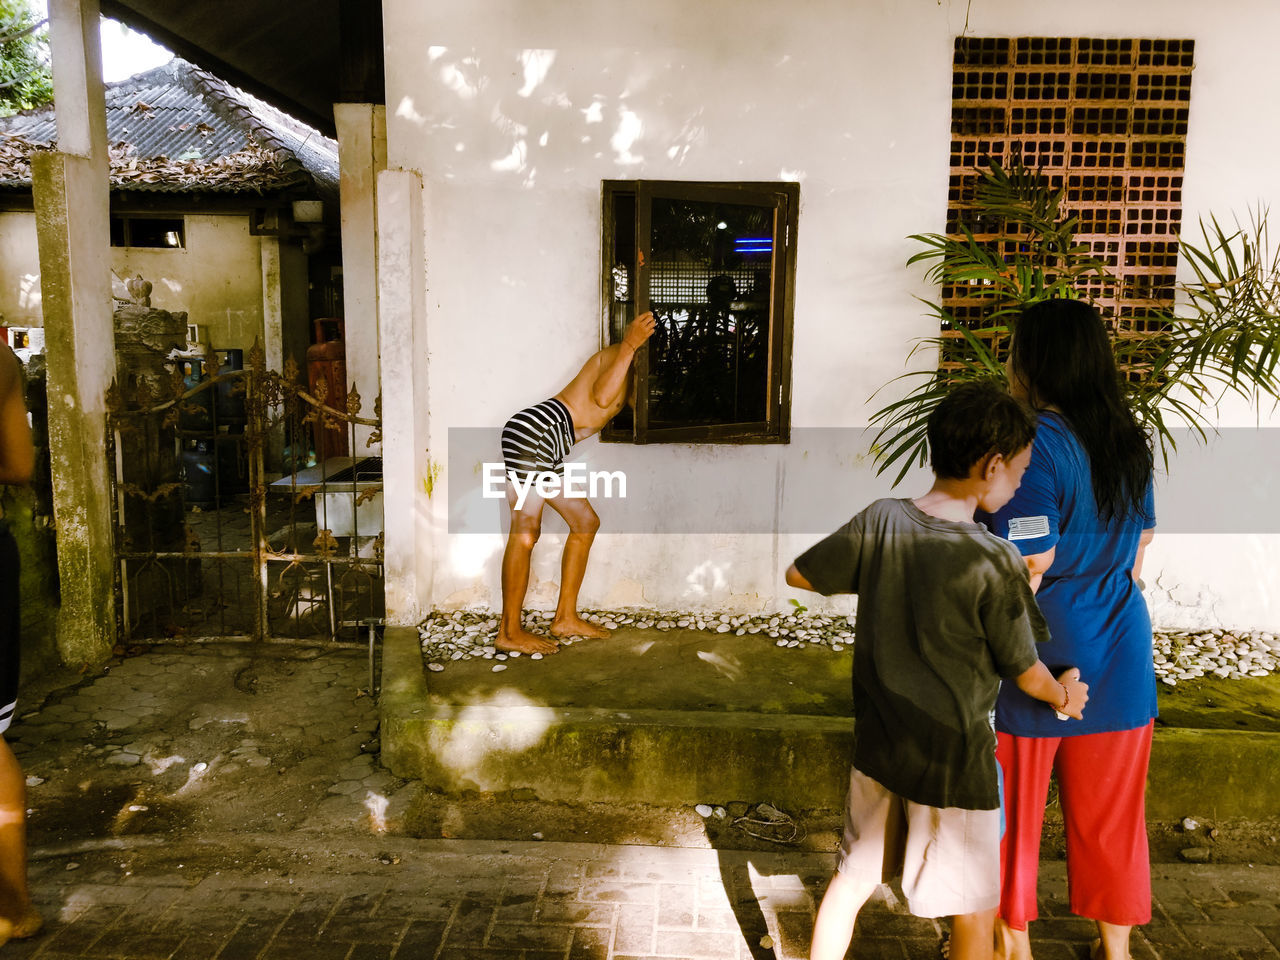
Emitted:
pixel 1224 335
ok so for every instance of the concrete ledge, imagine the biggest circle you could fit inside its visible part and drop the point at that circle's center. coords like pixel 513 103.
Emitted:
pixel 646 756
pixel 1218 774
pixel 493 738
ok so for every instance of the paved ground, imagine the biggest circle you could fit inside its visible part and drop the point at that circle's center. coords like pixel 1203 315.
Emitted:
pixel 223 803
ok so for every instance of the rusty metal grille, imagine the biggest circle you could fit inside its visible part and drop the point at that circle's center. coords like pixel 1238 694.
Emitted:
pixel 228 525
pixel 1104 119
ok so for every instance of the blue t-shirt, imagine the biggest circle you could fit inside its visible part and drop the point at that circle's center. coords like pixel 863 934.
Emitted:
pixel 1096 614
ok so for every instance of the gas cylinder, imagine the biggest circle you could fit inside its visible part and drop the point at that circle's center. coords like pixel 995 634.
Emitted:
pixel 229 394
pixel 327 361
pixel 195 414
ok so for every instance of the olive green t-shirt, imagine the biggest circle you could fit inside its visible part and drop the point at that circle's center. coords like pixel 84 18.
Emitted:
pixel 945 610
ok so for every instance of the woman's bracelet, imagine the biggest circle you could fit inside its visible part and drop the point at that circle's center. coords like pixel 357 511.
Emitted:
pixel 1066 697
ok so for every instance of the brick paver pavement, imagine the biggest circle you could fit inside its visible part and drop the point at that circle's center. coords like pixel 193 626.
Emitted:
pixel 259 898
pixel 224 804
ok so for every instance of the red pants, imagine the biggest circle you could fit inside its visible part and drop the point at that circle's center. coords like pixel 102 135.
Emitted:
pixel 1102 780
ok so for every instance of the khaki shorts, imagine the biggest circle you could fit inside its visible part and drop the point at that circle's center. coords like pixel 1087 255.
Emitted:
pixel 948 858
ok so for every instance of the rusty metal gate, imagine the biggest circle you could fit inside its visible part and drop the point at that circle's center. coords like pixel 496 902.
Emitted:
pixel 244 506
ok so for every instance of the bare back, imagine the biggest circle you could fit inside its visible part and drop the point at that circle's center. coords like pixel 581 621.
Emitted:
pixel 589 416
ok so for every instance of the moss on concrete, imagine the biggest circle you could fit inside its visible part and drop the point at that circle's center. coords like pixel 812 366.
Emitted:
pixel 1215 704
pixel 630 720
pixel 71 202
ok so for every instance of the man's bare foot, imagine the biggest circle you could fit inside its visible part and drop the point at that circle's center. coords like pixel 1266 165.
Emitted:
pixel 28 925
pixel 577 627
pixel 522 641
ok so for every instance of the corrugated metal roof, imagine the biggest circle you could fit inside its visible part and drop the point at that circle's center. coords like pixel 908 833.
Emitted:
pixel 195 121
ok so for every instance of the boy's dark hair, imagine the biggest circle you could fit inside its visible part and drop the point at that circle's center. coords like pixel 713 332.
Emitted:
pixel 975 420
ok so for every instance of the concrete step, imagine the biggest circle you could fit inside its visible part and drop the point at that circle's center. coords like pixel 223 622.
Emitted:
pixel 684 717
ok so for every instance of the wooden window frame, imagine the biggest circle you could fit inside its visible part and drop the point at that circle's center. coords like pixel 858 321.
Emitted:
pixel 785 198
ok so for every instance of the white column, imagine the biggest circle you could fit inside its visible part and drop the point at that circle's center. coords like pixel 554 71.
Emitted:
pixel 272 304
pixel 72 202
pixel 362 154
pixel 402 330
pixel 272 336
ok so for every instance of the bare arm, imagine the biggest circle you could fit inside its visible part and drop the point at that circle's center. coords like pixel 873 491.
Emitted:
pixel 611 379
pixel 797 579
pixel 17 455
pixel 1067 694
pixel 1147 536
pixel 1037 565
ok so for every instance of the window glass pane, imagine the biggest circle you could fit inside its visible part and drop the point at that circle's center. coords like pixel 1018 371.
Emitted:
pixel 621 283
pixel 156 232
pixel 710 280
pixel 620 288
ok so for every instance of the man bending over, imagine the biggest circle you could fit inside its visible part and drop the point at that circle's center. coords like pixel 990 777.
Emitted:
pixel 536 441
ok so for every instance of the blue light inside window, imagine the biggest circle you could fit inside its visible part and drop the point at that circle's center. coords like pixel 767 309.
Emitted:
pixel 753 245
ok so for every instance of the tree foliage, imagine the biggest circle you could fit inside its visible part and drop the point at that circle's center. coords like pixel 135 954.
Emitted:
pixel 1222 336
pixel 25 77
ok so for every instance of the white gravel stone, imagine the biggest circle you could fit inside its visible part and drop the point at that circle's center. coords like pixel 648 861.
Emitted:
pixel 448 636
pixel 499 667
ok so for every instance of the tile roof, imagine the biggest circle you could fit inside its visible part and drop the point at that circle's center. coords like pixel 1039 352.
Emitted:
pixel 178 128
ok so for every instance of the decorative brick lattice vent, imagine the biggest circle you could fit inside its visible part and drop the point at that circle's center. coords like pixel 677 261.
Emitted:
pixel 1107 119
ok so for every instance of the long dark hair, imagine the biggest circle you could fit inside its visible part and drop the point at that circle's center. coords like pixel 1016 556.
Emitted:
pixel 1062 354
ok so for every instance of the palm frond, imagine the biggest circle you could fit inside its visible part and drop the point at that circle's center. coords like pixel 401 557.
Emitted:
pixel 1223 338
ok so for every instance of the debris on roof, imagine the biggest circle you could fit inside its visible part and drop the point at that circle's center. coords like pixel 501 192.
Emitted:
pixel 253 168
pixel 180 129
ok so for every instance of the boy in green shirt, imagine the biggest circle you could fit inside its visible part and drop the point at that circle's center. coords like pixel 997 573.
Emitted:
pixel 945 610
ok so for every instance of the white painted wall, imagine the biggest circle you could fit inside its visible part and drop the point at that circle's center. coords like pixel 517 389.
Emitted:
pixel 19 271
pixel 513 112
pixel 216 278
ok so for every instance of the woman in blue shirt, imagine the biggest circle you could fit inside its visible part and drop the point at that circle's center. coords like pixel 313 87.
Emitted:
pixel 1081 518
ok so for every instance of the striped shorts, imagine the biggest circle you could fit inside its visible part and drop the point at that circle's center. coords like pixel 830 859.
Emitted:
pixel 537 439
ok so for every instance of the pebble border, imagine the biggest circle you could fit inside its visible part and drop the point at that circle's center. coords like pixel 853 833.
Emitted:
pixel 450 636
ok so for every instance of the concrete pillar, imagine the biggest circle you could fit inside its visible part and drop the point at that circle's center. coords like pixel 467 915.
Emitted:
pixel 72 201
pixel 402 331
pixel 362 154
pixel 272 304
pixel 273 336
